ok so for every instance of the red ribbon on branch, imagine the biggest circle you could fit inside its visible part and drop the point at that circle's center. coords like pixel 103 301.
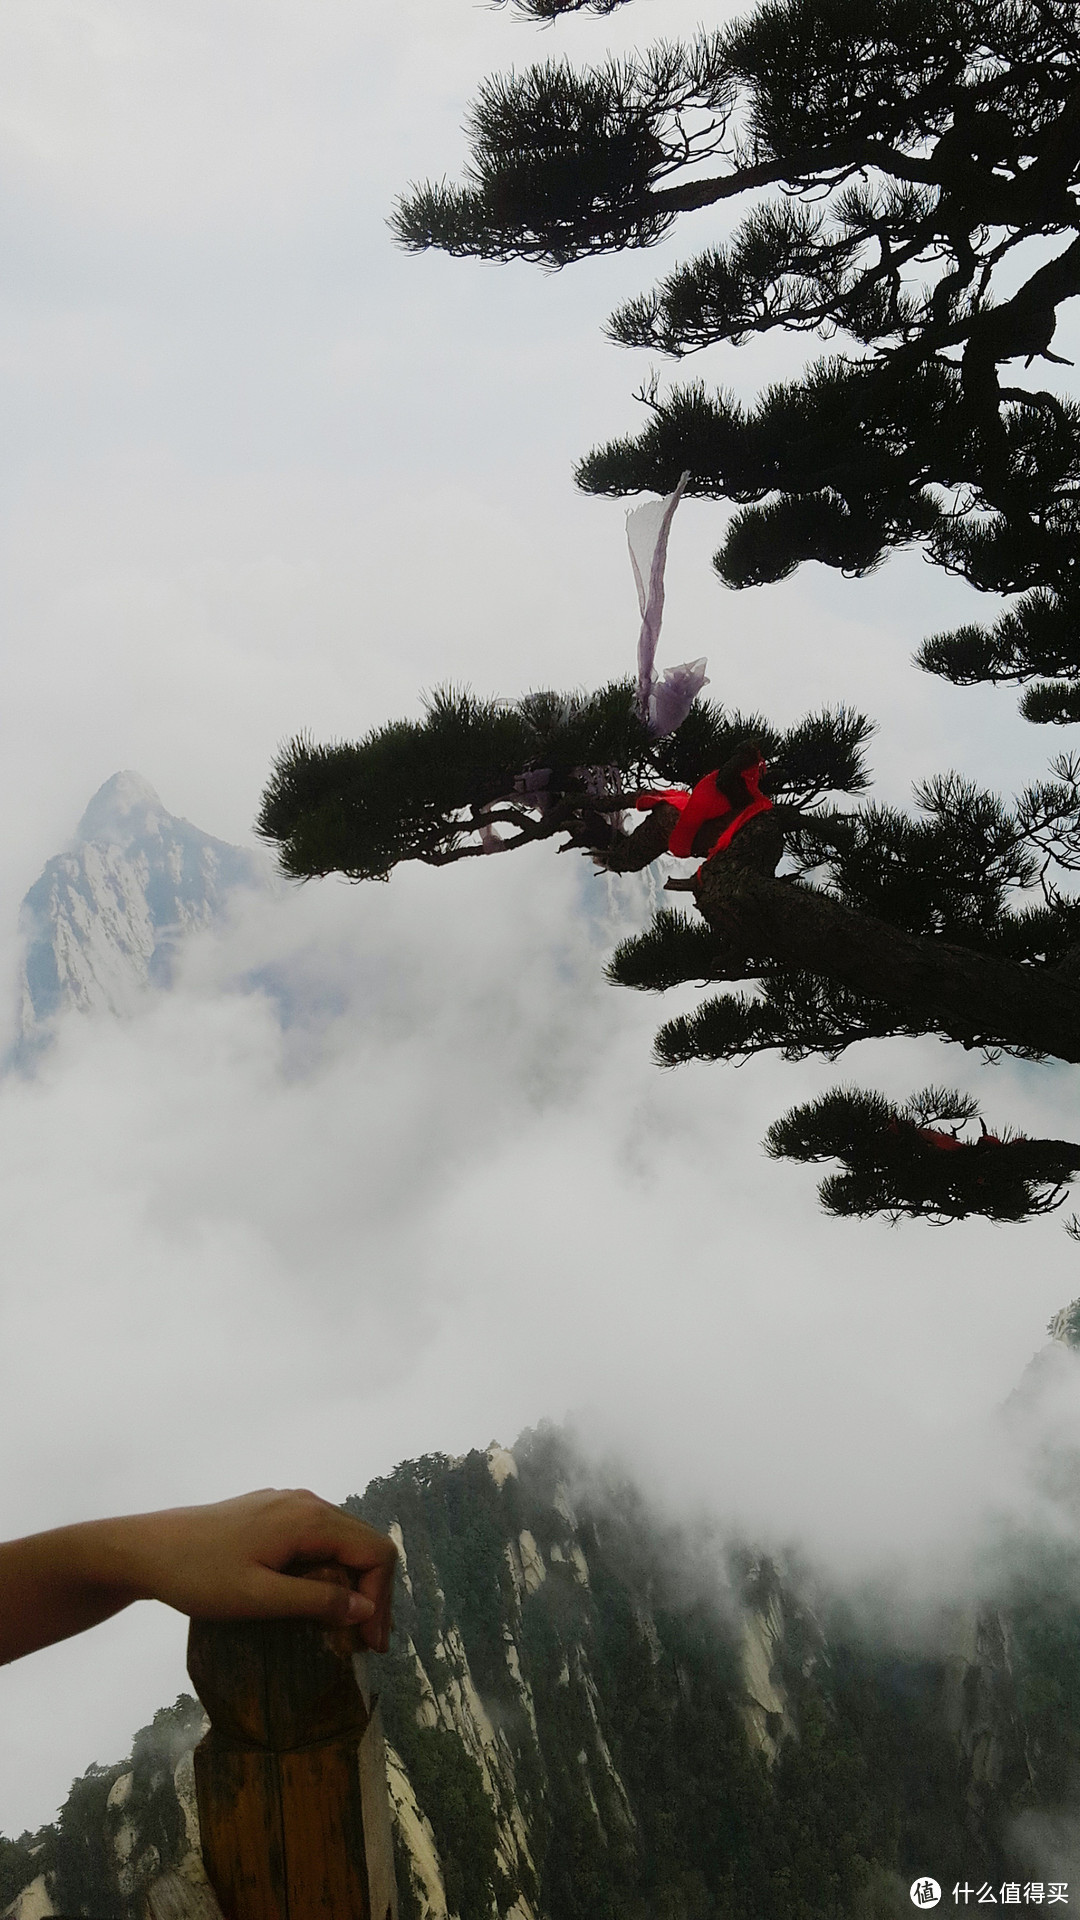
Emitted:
pixel 708 801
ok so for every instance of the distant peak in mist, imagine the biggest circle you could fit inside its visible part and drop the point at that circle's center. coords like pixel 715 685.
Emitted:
pixel 121 811
pixel 104 922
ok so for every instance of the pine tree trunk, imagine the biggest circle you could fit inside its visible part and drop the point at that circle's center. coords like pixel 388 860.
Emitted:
pixel 969 996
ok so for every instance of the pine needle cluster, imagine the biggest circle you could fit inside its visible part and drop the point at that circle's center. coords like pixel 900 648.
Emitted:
pixel 970 872
pixel 911 171
pixel 435 790
pixel 965 871
pixel 912 1161
pixel 964 875
pixel 916 148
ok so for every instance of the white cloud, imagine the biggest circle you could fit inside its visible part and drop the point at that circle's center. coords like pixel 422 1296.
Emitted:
pixel 451 1198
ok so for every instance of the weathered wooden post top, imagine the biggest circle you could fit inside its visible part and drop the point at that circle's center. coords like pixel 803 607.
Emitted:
pixel 294 1813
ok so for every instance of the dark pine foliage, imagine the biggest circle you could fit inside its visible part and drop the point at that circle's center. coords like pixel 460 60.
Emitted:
pixel 964 873
pixel 965 876
pixel 902 154
pixel 549 763
pixel 909 171
pixel 550 9
pixel 913 1160
pixel 19 1864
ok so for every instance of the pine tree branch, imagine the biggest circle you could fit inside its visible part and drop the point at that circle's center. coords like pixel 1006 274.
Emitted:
pixel 531 827
pixel 802 172
pixel 897 1160
pixel 967 996
pixel 633 852
pixel 1023 325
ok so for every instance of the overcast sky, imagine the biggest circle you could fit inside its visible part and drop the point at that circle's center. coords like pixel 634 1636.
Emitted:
pixel 261 472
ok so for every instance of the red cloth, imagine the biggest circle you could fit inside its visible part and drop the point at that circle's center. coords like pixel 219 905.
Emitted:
pixel 948 1142
pixel 707 802
pixel 944 1142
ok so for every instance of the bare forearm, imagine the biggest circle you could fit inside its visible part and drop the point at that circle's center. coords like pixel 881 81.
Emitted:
pixel 59 1583
pixel 250 1558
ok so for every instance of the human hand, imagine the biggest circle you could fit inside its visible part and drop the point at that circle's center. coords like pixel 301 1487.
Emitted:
pixel 243 1559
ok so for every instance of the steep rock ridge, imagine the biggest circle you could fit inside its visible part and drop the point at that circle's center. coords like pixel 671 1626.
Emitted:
pixel 989 1729
pixel 34 1903
pixel 593 1717
pixel 761 1641
pixel 103 922
pixel 117 1831
pixel 418 1860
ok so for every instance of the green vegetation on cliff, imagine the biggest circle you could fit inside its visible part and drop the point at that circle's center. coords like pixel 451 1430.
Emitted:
pixel 604 1718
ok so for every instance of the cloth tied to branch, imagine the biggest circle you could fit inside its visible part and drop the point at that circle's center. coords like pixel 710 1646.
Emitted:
pixel 662 701
pixel 950 1142
pixel 708 802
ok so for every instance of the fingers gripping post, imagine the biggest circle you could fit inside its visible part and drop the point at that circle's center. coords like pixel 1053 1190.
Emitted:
pixel 294 1812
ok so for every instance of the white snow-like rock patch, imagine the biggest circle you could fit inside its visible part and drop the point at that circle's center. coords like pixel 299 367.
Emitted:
pixel 120 1791
pixel 184 1782
pixel 501 1464
pixel 592 1701
pixel 427 1713
pixel 513 1662
pixel 123 1841
pixel 561 1504
pixel 419 1841
pixel 533 1569
pixel 580 1565
pixel 398 1538
pixel 33 1903
pixel 574 1559
pixel 762 1630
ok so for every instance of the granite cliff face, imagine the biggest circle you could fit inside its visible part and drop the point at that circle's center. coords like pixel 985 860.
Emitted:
pixel 592 1717
pixel 103 922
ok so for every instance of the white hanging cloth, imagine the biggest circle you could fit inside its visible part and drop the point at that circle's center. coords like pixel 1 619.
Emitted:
pixel 662 700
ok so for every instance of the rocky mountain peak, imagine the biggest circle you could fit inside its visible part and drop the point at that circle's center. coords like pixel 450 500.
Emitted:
pixel 104 922
pixel 125 809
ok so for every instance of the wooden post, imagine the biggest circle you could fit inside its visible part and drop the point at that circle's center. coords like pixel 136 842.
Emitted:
pixel 294 1814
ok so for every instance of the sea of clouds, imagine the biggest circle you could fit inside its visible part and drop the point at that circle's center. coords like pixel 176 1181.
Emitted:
pixel 390 1170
